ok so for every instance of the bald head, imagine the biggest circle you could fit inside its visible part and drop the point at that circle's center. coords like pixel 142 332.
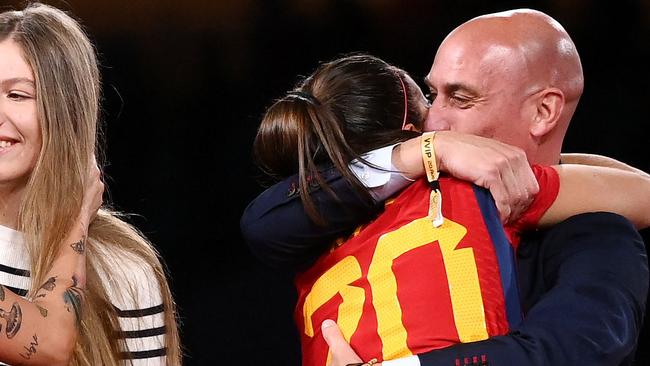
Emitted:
pixel 514 76
pixel 544 47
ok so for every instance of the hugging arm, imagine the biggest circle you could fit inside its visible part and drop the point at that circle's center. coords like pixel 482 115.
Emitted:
pixel 598 160
pixel 595 188
pixel 279 232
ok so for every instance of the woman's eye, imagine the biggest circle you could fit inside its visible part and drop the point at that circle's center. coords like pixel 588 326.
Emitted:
pixel 17 96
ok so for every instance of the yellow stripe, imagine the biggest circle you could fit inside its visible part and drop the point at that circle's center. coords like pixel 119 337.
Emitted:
pixel 337 280
pixel 465 290
pixel 460 265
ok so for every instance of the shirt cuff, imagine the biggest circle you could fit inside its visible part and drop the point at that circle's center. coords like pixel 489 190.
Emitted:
pixel 406 361
pixel 381 177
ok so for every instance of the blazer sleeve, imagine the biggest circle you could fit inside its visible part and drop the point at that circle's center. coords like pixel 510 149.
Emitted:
pixel 279 232
pixel 584 287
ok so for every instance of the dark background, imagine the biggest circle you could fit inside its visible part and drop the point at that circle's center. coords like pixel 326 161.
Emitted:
pixel 186 82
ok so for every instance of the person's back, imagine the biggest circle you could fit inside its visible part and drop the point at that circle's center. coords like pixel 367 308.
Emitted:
pixel 403 285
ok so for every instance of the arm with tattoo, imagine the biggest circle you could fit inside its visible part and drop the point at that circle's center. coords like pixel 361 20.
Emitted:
pixel 43 329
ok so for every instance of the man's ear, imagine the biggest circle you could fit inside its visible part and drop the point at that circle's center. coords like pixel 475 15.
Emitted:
pixel 549 104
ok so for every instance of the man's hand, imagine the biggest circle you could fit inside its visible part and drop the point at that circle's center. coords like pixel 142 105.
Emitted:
pixel 342 353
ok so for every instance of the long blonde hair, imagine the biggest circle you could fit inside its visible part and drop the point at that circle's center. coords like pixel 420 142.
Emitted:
pixel 68 91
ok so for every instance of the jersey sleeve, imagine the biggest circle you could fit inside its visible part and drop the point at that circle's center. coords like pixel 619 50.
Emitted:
pixel 549 186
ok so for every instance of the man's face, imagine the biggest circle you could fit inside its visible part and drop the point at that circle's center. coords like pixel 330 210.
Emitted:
pixel 478 89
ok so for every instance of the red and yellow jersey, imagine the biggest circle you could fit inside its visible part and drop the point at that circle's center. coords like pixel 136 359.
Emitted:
pixel 401 286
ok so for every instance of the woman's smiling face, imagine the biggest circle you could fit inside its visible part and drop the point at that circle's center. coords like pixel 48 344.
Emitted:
pixel 20 133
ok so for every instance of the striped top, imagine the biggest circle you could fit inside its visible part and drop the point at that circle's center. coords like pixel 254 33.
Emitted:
pixel 132 288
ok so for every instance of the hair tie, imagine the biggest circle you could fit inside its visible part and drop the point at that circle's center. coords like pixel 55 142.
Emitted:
pixel 304 96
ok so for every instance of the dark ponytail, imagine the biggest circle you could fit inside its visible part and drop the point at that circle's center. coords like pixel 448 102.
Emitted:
pixel 345 108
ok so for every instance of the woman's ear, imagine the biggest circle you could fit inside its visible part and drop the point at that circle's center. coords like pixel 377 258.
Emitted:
pixel 410 127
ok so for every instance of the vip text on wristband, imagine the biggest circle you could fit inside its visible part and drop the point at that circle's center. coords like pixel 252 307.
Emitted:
pixel 429 156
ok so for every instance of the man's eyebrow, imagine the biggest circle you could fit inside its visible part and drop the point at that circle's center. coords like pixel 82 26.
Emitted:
pixel 454 87
pixel 13 81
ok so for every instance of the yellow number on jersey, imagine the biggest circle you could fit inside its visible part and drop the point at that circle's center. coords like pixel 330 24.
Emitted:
pixel 460 267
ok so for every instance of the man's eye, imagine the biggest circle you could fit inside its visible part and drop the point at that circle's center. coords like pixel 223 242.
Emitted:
pixel 431 96
pixel 457 99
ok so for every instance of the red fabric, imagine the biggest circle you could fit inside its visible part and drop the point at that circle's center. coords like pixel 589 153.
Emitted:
pixel 549 186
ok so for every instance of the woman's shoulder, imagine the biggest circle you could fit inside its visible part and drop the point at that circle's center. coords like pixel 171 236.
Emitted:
pixel 132 286
pixel 131 281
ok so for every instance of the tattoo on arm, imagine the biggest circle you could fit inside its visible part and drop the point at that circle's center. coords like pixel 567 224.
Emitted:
pixel 73 298
pixel 31 349
pixel 2 293
pixel 49 285
pixel 42 310
pixel 79 247
pixel 14 319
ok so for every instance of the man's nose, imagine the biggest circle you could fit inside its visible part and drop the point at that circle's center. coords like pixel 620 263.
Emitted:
pixel 435 120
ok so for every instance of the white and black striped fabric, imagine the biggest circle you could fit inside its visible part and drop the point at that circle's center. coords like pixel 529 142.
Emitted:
pixel 132 289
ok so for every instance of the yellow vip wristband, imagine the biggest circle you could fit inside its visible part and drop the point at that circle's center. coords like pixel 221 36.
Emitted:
pixel 429 156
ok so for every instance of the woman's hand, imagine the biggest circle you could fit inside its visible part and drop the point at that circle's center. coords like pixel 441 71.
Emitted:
pixel 93 192
pixel 501 168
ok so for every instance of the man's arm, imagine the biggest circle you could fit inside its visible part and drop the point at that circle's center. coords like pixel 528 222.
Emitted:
pixel 584 284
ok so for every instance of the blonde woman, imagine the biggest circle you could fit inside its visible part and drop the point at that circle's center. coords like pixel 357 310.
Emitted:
pixel 79 285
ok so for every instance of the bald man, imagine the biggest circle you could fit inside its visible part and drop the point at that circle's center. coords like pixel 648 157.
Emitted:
pixel 516 77
pixel 513 76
